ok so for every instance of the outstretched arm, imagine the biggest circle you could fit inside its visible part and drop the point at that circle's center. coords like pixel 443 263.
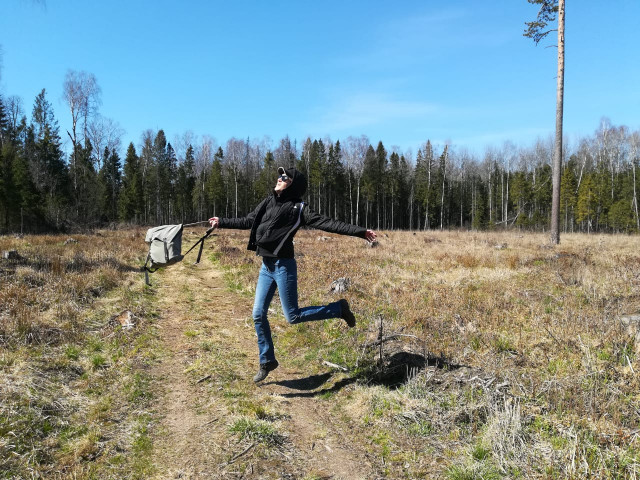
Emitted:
pixel 321 222
pixel 243 223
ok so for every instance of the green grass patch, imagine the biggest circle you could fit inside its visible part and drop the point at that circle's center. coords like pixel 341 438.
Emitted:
pixel 257 430
pixel 72 352
pixel 98 361
pixel 503 344
pixel 473 471
pixel 137 388
pixel 480 452
pixel 421 428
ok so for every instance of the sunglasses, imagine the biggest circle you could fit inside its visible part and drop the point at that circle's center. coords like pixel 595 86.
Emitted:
pixel 284 178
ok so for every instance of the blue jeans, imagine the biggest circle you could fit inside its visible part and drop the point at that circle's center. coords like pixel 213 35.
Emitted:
pixel 282 273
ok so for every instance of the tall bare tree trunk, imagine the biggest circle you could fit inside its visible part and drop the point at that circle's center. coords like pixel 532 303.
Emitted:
pixel 411 210
pixel 378 209
pixel 358 204
pixel 426 213
pixel 502 198
pixel 506 203
pixel 442 202
pixel 490 198
pixel 235 178
pixel 557 155
pixel 635 196
pixel 350 198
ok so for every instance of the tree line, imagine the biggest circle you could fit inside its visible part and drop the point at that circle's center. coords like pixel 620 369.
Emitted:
pixel 355 180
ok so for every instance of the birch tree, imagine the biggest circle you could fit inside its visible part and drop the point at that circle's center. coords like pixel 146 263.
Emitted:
pixel 202 164
pixel 104 133
pixel 82 94
pixel 234 155
pixel 355 151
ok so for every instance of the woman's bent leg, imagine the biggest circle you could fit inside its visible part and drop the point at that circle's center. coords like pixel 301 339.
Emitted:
pixel 286 277
pixel 265 290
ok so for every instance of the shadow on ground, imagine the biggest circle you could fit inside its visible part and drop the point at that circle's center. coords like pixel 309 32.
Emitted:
pixel 393 372
pixel 307 387
pixel 398 368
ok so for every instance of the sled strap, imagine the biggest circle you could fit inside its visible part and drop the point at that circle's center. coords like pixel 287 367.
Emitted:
pixel 199 252
pixel 146 270
pixel 296 225
pixel 201 242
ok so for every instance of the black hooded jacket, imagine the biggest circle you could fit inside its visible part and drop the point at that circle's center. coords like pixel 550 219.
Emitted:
pixel 276 220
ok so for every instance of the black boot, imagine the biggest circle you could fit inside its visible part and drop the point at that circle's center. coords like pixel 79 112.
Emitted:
pixel 265 368
pixel 347 314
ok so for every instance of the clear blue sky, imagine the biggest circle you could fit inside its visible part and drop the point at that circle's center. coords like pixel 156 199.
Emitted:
pixel 400 72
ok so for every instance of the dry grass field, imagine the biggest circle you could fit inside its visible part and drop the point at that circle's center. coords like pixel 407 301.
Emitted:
pixel 530 371
pixel 73 390
pixel 475 356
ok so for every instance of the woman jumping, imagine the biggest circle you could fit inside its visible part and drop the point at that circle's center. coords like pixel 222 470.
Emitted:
pixel 273 224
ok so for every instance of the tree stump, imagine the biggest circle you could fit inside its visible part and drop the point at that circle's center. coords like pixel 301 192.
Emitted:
pixel 631 323
pixel 340 285
pixel 11 255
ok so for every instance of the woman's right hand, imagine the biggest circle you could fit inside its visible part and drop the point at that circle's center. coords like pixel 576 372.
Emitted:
pixel 215 222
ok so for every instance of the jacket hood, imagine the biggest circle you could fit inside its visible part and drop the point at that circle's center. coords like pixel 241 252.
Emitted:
pixel 298 186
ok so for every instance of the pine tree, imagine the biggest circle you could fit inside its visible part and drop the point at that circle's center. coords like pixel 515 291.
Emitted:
pixel 380 171
pixel 216 184
pixel 43 151
pixel 7 193
pixel 4 123
pixel 131 204
pixel 425 180
pixel 542 196
pixel 27 198
pixel 148 172
pixel 334 180
pixel 268 175
pixel 42 120
pixel 479 203
pixel 441 178
pixel 162 178
pixel 86 195
pixel 317 168
pixel 110 185
pixel 603 198
pixel 369 180
pixel 521 198
pixel 7 188
pixel 620 216
pixel 56 187
pixel 393 185
pixel 587 204
pixel 184 186
pixel 43 116
pixel 170 183
pixel 404 193
pixel 568 195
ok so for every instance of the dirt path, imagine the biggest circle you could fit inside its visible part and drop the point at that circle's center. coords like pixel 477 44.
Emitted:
pixel 193 440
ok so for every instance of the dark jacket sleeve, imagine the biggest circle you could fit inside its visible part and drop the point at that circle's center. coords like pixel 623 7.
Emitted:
pixel 315 220
pixel 243 223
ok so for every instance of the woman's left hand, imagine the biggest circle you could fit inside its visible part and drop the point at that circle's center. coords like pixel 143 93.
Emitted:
pixel 371 236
